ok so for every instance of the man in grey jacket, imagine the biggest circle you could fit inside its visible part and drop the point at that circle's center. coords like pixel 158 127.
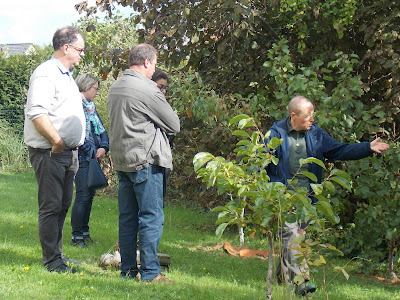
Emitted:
pixel 140 119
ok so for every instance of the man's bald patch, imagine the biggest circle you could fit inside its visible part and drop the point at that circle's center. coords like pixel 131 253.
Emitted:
pixel 297 103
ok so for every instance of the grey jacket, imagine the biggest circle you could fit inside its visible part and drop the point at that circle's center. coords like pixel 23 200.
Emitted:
pixel 140 118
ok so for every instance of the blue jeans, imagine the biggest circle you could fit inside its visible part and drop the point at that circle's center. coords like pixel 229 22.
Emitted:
pixel 82 207
pixel 140 202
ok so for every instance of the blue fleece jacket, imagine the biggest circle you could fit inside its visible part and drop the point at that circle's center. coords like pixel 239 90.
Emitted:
pixel 319 145
pixel 93 142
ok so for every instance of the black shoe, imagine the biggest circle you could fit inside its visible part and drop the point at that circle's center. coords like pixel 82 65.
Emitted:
pixel 63 269
pixel 87 239
pixel 78 242
pixel 67 261
pixel 304 289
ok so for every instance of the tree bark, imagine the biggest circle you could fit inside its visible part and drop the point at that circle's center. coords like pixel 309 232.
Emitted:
pixel 392 275
pixel 268 290
pixel 241 232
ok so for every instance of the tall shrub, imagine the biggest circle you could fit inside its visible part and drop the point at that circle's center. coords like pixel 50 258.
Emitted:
pixel 13 152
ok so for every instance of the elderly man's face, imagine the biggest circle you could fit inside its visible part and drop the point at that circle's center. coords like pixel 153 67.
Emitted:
pixel 304 119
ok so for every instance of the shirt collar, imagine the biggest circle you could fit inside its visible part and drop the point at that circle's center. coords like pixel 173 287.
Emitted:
pixel 62 68
pixel 290 128
pixel 289 125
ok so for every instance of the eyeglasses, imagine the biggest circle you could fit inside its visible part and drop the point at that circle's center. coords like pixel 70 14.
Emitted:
pixel 79 50
pixel 307 116
pixel 97 89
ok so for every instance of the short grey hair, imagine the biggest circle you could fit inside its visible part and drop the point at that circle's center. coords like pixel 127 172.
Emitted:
pixel 86 81
pixel 140 53
pixel 66 35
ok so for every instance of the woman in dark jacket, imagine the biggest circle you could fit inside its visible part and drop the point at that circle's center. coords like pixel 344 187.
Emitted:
pixel 96 146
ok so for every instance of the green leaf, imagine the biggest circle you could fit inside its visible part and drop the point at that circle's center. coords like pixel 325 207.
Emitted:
pixel 267 64
pixel 318 63
pixel 243 143
pixel 343 271
pixel 241 133
pixel 223 218
pixel 274 142
pixel 298 279
pixel 321 198
pixel 186 11
pixel 322 260
pixel 250 194
pixel 200 159
pixel 312 160
pixel 194 39
pixel 333 248
pixel 337 172
pixel 326 209
pixel 246 123
pixel 274 160
pixel 219 208
pixel 238 118
pixel 255 138
pixel 268 215
pixel 329 185
pixel 302 198
pixel 241 190
pixel 317 188
pixel 220 229
pixel 343 182
pixel 299 239
pixel 310 175
pixel 236 170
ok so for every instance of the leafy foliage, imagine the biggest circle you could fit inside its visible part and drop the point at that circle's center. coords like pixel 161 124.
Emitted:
pixel 228 41
pixel 378 210
pixel 107 43
pixel 15 72
pixel 13 153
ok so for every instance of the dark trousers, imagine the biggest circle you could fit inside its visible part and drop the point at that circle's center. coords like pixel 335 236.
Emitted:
pixel 55 174
pixel 82 207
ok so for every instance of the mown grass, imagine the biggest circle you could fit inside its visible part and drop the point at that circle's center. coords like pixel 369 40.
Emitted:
pixel 201 269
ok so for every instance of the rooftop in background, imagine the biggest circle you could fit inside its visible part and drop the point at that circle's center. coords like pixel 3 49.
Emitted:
pixel 20 48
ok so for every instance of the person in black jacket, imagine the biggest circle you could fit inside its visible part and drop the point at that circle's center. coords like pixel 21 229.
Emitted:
pixel 302 139
pixel 96 145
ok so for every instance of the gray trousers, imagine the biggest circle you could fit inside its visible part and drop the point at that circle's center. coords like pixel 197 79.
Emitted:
pixel 288 268
pixel 55 177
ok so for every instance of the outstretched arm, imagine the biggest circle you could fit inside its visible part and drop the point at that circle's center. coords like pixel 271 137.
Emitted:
pixel 378 146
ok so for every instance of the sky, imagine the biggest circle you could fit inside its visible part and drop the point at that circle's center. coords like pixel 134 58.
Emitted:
pixel 35 21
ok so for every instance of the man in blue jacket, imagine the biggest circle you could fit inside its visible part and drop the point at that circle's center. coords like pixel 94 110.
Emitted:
pixel 302 139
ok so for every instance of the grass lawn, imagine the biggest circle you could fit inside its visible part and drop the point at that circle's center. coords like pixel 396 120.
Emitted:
pixel 201 269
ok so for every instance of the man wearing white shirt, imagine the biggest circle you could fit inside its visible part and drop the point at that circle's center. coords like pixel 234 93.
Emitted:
pixel 54 128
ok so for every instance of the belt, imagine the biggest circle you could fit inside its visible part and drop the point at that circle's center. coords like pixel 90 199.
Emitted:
pixel 40 150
